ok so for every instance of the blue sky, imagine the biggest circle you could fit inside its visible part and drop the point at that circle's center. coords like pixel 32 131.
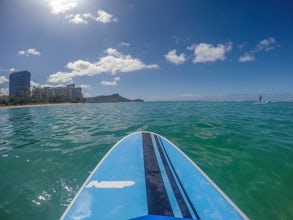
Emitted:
pixel 152 49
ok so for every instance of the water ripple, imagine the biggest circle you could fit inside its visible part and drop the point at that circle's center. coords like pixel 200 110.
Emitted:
pixel 246 149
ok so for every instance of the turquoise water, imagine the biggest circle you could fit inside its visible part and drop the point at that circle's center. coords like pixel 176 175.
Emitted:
pixel 47 152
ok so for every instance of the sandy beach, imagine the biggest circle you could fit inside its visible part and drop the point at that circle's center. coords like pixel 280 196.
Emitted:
pixel 33 105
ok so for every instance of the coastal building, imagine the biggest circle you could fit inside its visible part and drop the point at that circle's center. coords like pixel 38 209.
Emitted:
pixel 19 84
pixel 74 92
pixel 69 93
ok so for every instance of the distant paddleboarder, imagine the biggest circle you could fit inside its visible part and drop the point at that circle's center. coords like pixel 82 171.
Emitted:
pixel 261 101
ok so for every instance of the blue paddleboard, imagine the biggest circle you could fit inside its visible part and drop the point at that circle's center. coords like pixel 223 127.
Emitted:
pixel 144 176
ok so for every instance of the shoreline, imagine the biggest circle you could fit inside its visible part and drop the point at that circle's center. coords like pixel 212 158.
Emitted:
pixel 33 105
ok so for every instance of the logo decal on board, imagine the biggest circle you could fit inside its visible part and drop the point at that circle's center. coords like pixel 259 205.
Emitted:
pixel 109 184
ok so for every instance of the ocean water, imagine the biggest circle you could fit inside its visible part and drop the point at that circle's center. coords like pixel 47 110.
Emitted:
pixel 46 153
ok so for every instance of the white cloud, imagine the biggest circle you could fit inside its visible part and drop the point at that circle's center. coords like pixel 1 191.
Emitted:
pixel 191 47
pixel 172 57
pixel 113 63
pixel 84 18
pixel 61 77
pixel 61 6
pixel 28 52
pixel 86 94
pixel 105 17
pixel 85 86
pixel 3 79
pixel 113 52
pixel 110 83
pixel 4 91
pixel 34 84
pixel 66 6
pixel 116 62
pixel 204 52
pixel 77 18
pixel 86 15
pixel 83 67
pixel 246 58
pixel 124 44
pixel 266 44
pixel 49 85
pixel 12 69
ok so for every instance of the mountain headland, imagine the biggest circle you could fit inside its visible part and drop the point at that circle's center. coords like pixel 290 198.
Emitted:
pixel 109 98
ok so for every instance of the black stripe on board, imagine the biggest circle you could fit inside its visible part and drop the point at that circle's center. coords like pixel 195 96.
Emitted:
pixel 157 198
pixel 180 200
pixel 182 205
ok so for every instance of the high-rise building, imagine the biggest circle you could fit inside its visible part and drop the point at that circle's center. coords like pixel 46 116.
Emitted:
pixel 19 83
pixel 70 92
pixel 74 92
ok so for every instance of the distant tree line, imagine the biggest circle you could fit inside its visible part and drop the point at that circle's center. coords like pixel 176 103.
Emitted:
pixel 37 96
